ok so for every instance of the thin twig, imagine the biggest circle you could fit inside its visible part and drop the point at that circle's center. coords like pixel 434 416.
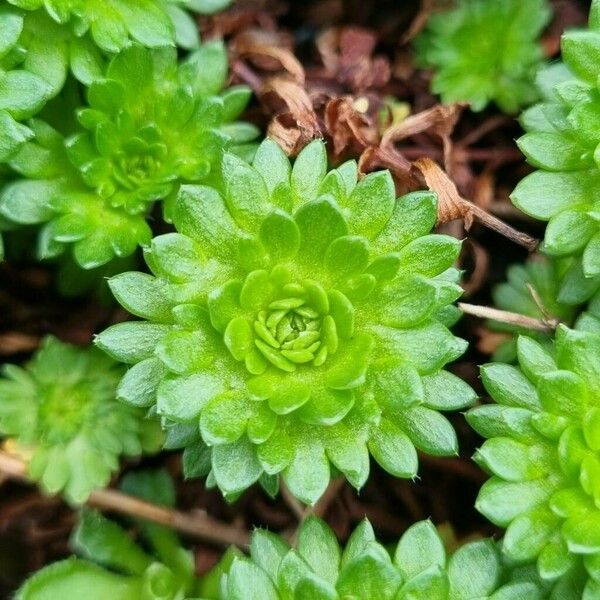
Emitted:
pixel 292 502
pixel 204 528
pixel 504 316
pixel 329 495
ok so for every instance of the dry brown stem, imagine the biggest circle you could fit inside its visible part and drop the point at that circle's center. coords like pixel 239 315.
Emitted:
pixel 201 527
pixel 510 318
pixel 451 205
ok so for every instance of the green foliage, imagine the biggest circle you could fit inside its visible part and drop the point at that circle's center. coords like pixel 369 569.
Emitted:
pixel 151 124
pixel 485 51
pixel 113 25
pixel 561 140
pixel 542 451
pixel 112 565
pixel 42 41
pixel 295 323
pixel 60 412
pixel 418 569
pixel 530 289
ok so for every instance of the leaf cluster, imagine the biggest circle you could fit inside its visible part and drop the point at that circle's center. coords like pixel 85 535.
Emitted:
pixel 295 324
pixel 485 51
pixel 542 451
pixel 60 412
pixel 419 568
pixel 561 140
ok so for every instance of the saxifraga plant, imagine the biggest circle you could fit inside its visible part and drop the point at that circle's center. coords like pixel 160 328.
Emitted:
pixel 295 323
pixel 561 142
pixel 42 41
pixel 109 564
pixel 315 569
pixel 418 569
pixel 60 413
pixel 485 51
pixel 151 124
pixel 542 449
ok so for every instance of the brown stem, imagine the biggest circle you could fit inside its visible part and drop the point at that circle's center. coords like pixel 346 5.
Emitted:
pixel 503 316
pixel 201 527
pixel 494 223
pixel 292 502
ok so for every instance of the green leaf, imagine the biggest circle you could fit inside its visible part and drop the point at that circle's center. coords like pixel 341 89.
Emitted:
pixel 429 431
pixel 414 215
pixel 502 501
pixel 508 386
pixel 12 137
pixel 74 576
pixel 563 393
pixel 581 53
pixel 318 546
pixel 308 171
pixel 569 232
pixel 445 391
pixel 533 358
pixel 103 541
pixel 201 214
pixel 280 236
pixel 528 534
pixel 246 581
pixel 313 588
pixel 245 193
pixel 393 450
pixel 139 385
pixel 307 475
pixel 223 419
pixel 235 466
pixel 196 460
pixel 512 460
pixel 419 549
pixel 22 94
pixel 272 163
pixel 474 570
pixel 370 205
pixel 132 341
pixel 142 295
pixel 543 195
pixel 267 551
pixel 27 201
pixel 209 68
pixel 368 576
pixel 183 398
pixel 552 151
pixel 429 255
pixel 320 222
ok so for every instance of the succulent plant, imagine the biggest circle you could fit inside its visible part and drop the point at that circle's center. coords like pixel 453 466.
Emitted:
pixel 542 451
pixel 151 124
pixel 530 289
pixel 41 42
pixel 295 323
pixel 60 413
pixel 115 24
pixel 109 564
pixel 561 139
pixel 485 51
pixel 418 569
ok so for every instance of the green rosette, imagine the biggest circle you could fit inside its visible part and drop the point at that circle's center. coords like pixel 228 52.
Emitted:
pixel 60 413
pixel 543 438
pixel 295 324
